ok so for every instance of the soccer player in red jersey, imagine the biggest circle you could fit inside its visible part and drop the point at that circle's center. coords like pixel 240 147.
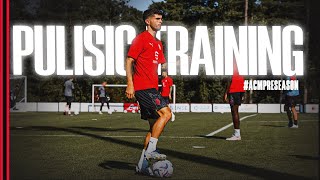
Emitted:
pixel 234 95
pixel 144 55
pixel 167 83
pixel 166 91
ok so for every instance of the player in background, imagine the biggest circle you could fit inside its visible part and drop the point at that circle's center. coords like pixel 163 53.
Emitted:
pixel 166 90
pixel 104 97
pixel 13 97
pixel 234 94
pixel 68 88
pixel 291 100
pixel 144 55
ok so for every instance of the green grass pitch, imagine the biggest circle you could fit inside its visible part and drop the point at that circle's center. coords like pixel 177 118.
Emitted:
pixel 92 146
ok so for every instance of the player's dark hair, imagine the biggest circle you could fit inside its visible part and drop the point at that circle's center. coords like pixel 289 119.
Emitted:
pixel 150 12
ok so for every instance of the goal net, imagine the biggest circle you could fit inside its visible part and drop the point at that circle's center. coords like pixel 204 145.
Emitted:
pixel 18 90
pixel 117 105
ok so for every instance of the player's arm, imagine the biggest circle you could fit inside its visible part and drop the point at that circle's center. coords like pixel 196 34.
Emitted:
pixel 171 83
pixel 170 92
pixel 129 72
pixel 225 97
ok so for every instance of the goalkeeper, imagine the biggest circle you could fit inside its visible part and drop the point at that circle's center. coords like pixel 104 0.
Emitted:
pixel 104 97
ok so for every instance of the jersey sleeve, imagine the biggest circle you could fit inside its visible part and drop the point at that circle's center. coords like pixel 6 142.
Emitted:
pixel 162 59
pixel 171 82
pixel 136 47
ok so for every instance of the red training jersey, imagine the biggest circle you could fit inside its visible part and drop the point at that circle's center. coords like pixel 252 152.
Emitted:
pixel 237 81
pixel 147 53
pixel 167 82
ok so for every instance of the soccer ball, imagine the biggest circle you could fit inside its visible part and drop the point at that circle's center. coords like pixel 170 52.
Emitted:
pixel 125 111
pixel 133 111
pixel 162 168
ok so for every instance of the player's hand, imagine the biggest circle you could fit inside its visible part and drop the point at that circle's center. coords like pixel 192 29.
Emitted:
pixel 170 96
pixel 225 97
pixel 130 92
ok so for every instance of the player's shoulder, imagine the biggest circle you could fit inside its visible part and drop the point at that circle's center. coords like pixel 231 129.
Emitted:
pixel 142 35
pixel 139 39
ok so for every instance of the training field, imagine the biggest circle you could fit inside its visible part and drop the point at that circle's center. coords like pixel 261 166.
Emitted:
pixel 93 146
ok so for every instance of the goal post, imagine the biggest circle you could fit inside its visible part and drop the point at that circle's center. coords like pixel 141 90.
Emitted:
pixel 94 86
pixel 18 85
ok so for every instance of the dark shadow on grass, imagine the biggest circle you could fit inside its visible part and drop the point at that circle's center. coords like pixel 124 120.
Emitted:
pixel 236 167
pixel 213 137
pixel 50 128
pixel 37 128
pixel 117 165
pixel 306 157
pixel 269 125
pixel 112 129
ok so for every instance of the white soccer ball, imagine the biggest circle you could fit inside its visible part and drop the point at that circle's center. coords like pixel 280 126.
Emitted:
pixel 162 168
pixel 133 111
pixel 125 111
pixel 76 112
pixel 222 112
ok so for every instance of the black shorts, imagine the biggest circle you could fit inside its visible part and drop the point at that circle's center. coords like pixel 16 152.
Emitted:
pixel 69 99
pixel 150 101
pixel 291 101
pixel 166 99
pixel 235 98
pixel 103 99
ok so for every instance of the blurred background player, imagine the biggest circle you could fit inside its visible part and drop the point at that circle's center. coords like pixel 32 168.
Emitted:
pixel 68 88
pixel 234 95
pixel 104 97
pixel 291 99
pixel 144 55
pixel 166 89
pixel 13 97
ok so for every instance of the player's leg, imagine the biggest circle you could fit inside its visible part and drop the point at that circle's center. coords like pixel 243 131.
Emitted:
pixel 69 99
pixel 142 164
pixel 294 113
pixel 167 101
pixel 66 107
pixel 101 106
pixel 173 117
pixel 109 110
pixel 288 109
pixel 165 115
pixel 160 123
pixel 235 102
pixel 153 107
pixel 108 104
pixel 295 117
pixel 289 114
pixel 236 120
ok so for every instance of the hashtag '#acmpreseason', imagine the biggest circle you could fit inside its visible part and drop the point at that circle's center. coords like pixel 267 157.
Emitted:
pixel 245 86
